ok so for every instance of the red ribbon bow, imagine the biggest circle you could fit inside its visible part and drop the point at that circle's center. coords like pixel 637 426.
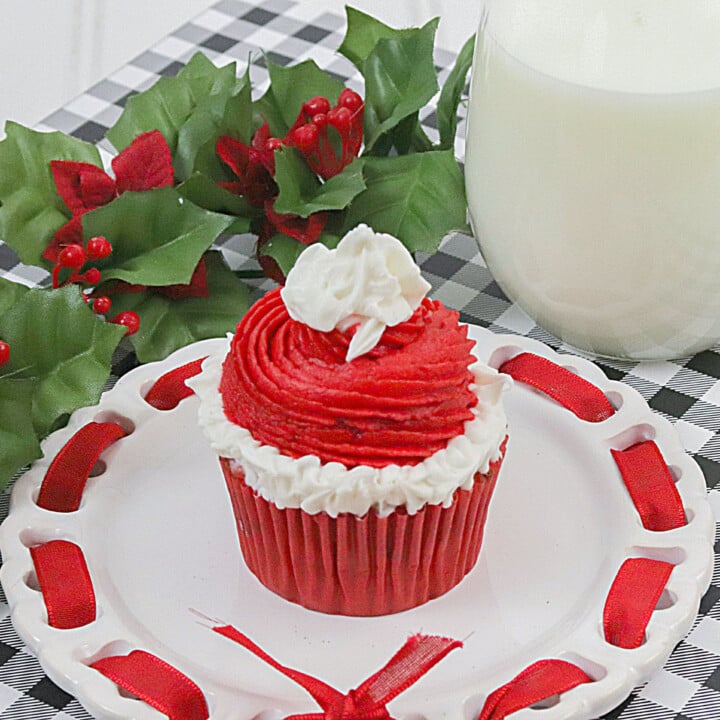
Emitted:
pixel 368 701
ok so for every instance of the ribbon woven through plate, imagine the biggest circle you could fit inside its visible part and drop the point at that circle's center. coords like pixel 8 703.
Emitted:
pixel 581 397
pixel 169 389
pixel 64 482
pixel 158 683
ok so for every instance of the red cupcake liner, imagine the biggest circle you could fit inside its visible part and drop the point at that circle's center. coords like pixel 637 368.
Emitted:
pixel 361 566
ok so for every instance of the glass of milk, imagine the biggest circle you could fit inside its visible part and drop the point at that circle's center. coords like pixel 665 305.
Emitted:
pixel 593 169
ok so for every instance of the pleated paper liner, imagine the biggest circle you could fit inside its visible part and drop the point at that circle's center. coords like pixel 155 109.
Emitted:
pixel 361 566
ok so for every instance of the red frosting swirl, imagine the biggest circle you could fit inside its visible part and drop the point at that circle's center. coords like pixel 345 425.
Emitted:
pixel 290 386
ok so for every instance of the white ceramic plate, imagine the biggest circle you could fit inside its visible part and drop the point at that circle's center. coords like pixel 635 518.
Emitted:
pixel 159 539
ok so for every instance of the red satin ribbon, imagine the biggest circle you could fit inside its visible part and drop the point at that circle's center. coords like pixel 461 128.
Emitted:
pixel 632 598
pixel 367 702
pixel 573 392
pixel 631 601
pixel 65 584
pixel 651 486
pixel 537 682
pixel 64 482
pixel 159 684
pixel 170 388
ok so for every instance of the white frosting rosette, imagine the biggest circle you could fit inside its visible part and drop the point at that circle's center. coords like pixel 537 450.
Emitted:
pixel 370 279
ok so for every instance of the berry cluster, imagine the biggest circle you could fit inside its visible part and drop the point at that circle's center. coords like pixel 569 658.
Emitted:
pixel 329 138
pixel 73 257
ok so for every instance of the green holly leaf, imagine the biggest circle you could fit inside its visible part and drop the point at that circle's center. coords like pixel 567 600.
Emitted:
pixel 363 34
pixel 199 131
pixel 31 211
pixel 452 93
pixel 418 198
pixel 400 78
pixel 158 237
pixel 166 325
pixel 206 193
pixel 62 346
pixel 18 441
pixel 302 193
pixel 214 116
pixel 10 293
pixel 289 88
pixel 171 102
pixel 406 137
pixel 286 250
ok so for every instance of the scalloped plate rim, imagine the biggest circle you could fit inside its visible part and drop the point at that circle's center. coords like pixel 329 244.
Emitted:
pixel 580 704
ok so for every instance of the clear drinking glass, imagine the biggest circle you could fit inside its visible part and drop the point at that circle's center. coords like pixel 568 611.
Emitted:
pixel 593 168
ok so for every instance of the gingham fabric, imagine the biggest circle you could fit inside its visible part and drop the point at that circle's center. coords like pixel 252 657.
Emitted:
pixel 687 392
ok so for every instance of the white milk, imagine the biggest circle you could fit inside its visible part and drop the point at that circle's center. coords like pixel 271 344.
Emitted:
pixel 593 169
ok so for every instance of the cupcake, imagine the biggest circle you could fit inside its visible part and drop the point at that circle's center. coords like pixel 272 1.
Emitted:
pixel 359 437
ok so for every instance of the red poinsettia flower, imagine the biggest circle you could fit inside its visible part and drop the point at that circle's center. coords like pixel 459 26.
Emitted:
pixel 254 165
pixel 305 230
pixel 144 165
pixel 329 138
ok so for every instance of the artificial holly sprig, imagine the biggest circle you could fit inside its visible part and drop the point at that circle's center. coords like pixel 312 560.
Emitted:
pixel 55 357
pixel 198 156
pixel 411 188
pixel 288 144
pixel 160 258
pixel 129 232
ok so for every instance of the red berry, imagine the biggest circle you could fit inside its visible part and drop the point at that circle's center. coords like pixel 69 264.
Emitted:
pixel 4 352
pixel 306 137
pixel 319 120
pixel 316 105
pixel 273 144
pixel 72 256
pixel 340 118
pixel 101 305
pixel 350 99
pixel 91 276
pixel 130 319
pixel 98 248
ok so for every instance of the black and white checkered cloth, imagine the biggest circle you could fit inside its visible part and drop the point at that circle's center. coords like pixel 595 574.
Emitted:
pixel 686 392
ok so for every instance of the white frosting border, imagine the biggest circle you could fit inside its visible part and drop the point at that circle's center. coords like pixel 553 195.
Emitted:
pixel 315 487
